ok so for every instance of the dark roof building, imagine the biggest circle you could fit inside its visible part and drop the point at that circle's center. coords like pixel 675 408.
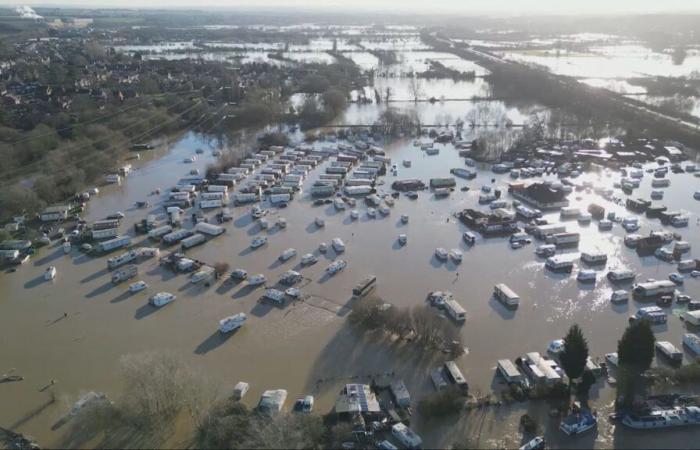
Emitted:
pixel 542 195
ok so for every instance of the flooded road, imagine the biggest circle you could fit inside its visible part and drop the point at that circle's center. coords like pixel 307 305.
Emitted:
pixel 308 348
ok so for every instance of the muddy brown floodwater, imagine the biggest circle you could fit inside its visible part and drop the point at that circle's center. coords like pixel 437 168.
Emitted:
pixel 309 348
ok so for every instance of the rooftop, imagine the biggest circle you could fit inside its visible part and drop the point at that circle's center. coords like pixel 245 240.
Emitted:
pixel 356 398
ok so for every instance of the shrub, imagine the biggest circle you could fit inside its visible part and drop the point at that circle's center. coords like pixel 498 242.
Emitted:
pixel 528 423
pixel 446 402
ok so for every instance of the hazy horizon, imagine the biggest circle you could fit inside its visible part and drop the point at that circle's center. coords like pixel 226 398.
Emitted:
pixel 519 7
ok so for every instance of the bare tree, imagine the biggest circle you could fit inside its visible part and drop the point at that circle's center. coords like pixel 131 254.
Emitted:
pixel 157 387
pixel 415 88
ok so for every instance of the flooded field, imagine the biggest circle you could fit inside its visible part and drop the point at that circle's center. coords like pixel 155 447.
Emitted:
pixel 308 347
pixel 75 328
pixel 618 61
pixel 606 61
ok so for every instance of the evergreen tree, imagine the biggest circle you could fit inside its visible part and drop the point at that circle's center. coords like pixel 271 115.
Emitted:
pixel 636 348
pixel 575 353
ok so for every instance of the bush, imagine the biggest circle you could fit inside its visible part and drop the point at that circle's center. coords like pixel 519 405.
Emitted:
pixel 158 386
pixel 555 391
pixel 158 389
pixel 528 423
pixel 274 138
pixel 334 102
pixel 420 323
pixel 221 268
pixel 446 402
pixel 394 123
pixel 16 200
pixel 684 374
pixel 225 161
pixel 229 424
pixel 366 313
pixel 517 392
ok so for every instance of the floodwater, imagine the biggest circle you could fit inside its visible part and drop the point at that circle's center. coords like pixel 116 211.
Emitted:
pixel 613 61
pixel 686 104
pixel 309 347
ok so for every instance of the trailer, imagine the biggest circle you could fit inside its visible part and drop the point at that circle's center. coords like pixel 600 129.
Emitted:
pixel 651 289
pixel 113 244
pixel 217 188
pixel 195 239
pixel 364 286
pixel 330 176
pixel 325 190
pixel 282 190
pixel 117 261
pixel 243 198
pixel 358 190
pixel 669 351
pixel 160 231
pixel 125 273
pixel 266 177
pixel 692 317
pixel 212 196
pixel 204 274
pixel 564 239
pixel 506 296
pixel 104 233
pixel 147 252
pixel 455 376
pixel 107 224
pixel 276 173
pixel 291 178
pixel 206 204
pixel 337 170
pixel 177 195
pixel 235 170
pixel 509 371
pixel 359 182
pixel 233 177
pixel 176 236
pixel 209 229
pixel 276 199
pixel 455 310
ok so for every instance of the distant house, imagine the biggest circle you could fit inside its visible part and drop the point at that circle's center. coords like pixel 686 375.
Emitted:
pixel 541 195
pixel 497 222
pixel 357 399
pixel 54 213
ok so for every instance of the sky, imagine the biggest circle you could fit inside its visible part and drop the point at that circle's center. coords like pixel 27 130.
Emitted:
pixel 431 6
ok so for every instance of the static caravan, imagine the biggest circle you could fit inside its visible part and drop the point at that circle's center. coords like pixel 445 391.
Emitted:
pixel 54 213
pixel 692 317
pixel 506 296
pixel 508 371
pixel 217 188
pixel 160 231
pixel 193 240
pixel 204 204
pixel 209 229
pixel 454 375
pixel 455 310
pixel 112 244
